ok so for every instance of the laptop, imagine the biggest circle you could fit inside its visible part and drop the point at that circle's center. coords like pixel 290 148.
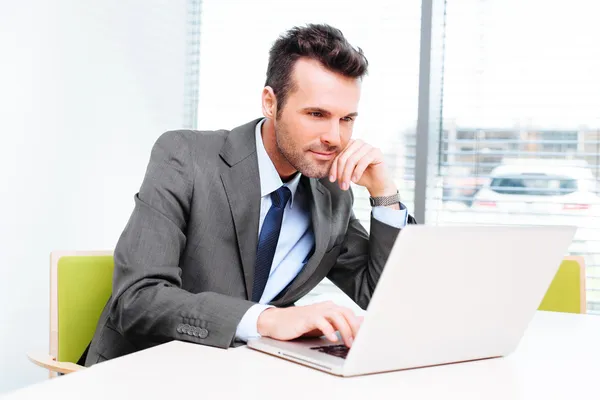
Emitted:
pixel 446 295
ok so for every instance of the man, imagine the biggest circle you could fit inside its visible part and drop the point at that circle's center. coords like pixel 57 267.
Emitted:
pixel 231 228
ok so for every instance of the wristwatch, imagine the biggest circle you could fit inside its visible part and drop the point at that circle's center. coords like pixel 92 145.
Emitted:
pixel 385 200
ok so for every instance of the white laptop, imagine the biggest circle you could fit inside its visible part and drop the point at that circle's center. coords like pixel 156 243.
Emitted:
pixel 446 295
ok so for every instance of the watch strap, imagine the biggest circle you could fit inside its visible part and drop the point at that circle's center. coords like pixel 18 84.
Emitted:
pixel 385 200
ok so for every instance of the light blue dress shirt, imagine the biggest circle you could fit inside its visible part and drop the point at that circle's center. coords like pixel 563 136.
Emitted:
pixel 296 238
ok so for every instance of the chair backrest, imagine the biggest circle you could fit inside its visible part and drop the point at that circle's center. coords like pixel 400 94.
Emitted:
pixel 567 290
pixel 80 286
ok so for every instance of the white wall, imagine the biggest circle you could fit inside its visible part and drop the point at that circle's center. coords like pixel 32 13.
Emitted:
pixel 86 87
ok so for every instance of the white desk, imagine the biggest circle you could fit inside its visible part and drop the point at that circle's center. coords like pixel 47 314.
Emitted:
pixel 559 358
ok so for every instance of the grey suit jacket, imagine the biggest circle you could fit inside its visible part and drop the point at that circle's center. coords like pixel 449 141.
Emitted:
pixel 184 264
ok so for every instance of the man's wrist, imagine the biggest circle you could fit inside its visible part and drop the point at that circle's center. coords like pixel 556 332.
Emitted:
pixel 247 327
pixel 265 321
pixel 388 189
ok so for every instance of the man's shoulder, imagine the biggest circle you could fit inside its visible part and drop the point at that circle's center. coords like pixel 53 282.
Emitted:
pixel 198 142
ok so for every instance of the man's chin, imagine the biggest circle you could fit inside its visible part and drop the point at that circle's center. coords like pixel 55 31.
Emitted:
pixel 311 167
pixel 316 172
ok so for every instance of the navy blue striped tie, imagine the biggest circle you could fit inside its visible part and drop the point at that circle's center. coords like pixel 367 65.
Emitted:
pixel 267 241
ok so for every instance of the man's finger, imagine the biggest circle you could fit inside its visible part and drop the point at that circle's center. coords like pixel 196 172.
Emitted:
pixel 352 146
pixel 352 319
pixel 343 158
pixel 325 326
pixel 363 164
pixel 352 161
pixel 333 171
pixel 341 324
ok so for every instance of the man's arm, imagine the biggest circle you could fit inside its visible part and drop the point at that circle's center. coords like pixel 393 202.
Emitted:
pixel 148 301
pixel 362 259
pixel 356 273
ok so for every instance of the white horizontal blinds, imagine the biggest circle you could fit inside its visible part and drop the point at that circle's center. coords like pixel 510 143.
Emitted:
pixel 520 142
pixel 390 39
pixel 235 37
pixel 192 63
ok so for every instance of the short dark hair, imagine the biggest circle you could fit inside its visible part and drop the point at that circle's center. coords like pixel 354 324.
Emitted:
pixel 319 42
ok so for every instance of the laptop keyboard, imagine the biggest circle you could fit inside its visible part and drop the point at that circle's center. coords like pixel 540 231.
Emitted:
pixel 337 350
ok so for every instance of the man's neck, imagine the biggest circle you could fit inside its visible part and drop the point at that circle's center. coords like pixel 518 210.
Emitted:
pixel 284 168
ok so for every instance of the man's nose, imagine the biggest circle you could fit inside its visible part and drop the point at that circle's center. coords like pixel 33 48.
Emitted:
pixel 332 136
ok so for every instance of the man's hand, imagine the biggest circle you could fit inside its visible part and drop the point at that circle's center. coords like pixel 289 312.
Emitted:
pixel 313 320
pixel 364 165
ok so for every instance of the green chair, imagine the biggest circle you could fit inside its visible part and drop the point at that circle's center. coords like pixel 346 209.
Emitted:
pixel 80 286
pixel 567 290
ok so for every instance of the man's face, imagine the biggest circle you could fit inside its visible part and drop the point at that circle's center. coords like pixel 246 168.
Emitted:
pixel 316 122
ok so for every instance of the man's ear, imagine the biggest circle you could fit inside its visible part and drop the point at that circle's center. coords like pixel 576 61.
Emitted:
pixel 269 103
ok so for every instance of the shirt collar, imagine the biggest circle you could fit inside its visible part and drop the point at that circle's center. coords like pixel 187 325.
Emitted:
pixel 269 177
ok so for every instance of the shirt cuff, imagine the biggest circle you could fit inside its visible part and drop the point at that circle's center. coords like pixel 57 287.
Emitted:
pixel 247 328
pixel 391 217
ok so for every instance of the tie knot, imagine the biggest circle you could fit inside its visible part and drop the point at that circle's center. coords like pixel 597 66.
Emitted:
pixel 281 196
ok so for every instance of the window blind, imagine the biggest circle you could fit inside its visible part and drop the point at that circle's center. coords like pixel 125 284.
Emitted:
pixel 192 64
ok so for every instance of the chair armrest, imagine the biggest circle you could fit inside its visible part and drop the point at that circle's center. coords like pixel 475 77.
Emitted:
pixel 48 362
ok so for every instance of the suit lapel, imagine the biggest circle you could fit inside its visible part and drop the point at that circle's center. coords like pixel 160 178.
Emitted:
pixel 320 200
pixel 241 181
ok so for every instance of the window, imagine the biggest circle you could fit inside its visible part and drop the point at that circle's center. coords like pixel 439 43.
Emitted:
pixel 520 138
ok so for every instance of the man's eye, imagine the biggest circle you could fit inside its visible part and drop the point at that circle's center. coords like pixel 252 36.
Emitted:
pixel 348 119
pixel 316 114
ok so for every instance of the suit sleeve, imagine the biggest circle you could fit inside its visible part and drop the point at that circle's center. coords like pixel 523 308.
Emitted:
pixel 363 257
pixel 149 303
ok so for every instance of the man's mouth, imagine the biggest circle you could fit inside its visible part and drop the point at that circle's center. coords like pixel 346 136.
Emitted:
pixel 324 155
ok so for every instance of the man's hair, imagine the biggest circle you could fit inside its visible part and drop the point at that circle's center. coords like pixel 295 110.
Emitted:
pixel 319 42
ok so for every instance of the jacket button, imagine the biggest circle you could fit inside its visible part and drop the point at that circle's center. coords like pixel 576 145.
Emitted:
pixel 203 333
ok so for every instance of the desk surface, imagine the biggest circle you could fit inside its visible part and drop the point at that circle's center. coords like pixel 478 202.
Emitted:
pixel 558 358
